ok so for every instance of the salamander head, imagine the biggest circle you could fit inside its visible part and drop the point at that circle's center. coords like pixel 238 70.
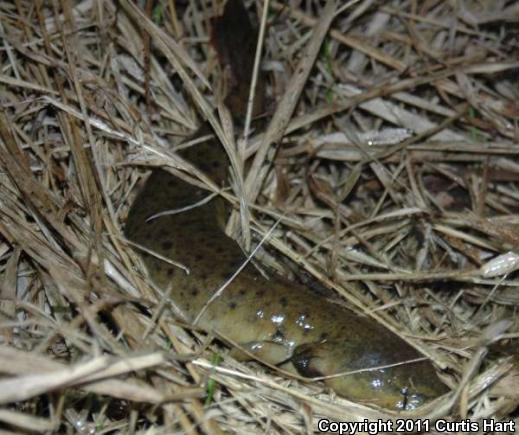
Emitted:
pixel 402 387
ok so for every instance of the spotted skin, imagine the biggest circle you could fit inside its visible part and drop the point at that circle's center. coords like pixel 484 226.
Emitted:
pixel 282 322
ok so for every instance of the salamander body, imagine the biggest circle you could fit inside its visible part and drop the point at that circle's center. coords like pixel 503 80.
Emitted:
pixel 281 322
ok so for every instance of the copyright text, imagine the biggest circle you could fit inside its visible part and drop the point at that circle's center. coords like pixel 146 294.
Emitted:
pixel 374 427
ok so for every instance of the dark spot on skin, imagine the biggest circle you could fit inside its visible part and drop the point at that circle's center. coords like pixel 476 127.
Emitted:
pixel 283 301
pixel 232 305
pixel 235 264
pixel 167 244
pixel 302 363
pixel 227 276
pixel 278 336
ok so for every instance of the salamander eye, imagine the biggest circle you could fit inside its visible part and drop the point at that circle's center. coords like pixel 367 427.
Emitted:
pixel 411 400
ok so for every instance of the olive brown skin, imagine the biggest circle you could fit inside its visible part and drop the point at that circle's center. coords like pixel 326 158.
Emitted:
pixel 281 322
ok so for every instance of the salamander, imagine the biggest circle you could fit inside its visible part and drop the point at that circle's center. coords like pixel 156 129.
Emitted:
pixel 282 322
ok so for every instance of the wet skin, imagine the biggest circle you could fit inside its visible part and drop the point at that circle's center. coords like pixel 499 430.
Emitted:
pixel 282 322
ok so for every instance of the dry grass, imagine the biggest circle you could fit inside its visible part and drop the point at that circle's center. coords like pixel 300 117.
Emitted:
pixel 396 183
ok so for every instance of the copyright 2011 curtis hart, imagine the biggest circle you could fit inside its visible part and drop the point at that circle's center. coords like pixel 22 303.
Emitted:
pixel 374 427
